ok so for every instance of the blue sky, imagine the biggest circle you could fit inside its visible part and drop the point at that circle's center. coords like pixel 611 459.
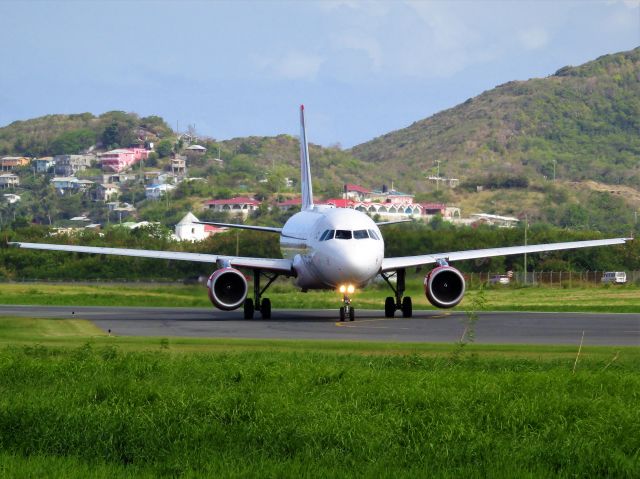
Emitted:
pixel 242 68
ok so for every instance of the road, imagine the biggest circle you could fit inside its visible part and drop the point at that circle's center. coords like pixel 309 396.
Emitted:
pixel 425 326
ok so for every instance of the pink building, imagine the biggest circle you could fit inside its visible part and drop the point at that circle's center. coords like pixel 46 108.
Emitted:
pixel 122 159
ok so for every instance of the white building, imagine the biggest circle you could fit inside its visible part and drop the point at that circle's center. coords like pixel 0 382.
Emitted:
pixel 11 198
pixel 155 192
pixel 9 180
pixel 189 230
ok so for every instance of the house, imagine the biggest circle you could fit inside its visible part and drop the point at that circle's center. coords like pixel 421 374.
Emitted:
pixel 155 192
pixel 356 193
pixel 69 165
pixel 70 183
pixel 240 205
pixel 62 183
pixel 195 150
pixel 179 166
pixel 11 198
pixel 9 163
pixel 122 159
pixel 189 230
pixel 106 192
pixel 43 165
pixel 9 180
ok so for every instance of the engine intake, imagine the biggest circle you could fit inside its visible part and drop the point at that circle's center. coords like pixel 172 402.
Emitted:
pixel 227 288
pixel 444 286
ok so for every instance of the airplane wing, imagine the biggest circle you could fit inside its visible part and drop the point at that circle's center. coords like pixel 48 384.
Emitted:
pixel 267 229
pixel 391 264
pixel 267 264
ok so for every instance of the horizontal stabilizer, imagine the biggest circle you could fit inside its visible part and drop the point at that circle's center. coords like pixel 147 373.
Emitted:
pixel 384 223
pixel 267 229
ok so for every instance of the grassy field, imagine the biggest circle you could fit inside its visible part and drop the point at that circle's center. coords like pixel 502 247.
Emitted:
pixel 283 295
pixel 75 402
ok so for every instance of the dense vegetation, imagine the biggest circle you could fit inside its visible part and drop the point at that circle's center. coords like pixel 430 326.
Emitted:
pixel 406 239
pixel 585 119
pixel 288 414
pixel 72 134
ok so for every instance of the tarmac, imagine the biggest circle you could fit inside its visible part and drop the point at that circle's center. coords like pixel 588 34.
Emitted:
pixel 370 325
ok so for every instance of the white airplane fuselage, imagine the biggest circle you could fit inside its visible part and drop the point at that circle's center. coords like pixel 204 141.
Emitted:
pixel 331 246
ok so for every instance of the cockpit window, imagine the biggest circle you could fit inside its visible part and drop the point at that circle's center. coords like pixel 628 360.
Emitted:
pixel 343 234
pixel 327 235
pixel 360 234
pixel 374 235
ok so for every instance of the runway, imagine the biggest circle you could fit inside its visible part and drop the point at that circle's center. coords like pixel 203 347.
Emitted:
pixel 425 326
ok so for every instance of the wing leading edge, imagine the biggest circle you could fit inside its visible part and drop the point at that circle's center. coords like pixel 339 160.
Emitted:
pixel 391 264
pixel 267 264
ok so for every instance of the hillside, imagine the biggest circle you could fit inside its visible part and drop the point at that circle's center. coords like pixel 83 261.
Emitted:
pixel 69 134
pixel 586 118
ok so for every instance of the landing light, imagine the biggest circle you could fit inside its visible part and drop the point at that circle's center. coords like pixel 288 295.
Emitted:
pixel 347 288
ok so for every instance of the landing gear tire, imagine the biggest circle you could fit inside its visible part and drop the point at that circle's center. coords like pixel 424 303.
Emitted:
pixel 389 307
pixel 407 307
pixel 352 314
pixel 265 308
pixel 248 308
pixel 342 315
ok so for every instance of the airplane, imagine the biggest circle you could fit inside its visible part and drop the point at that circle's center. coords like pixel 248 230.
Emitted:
pixel 325 247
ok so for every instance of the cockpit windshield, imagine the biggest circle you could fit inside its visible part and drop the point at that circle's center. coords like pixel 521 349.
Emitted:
pixel 347 235
pixel 343 234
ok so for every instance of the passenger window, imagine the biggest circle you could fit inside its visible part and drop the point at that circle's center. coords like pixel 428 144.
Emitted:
pixel 374 235
pixel 343 234
pixel 360 234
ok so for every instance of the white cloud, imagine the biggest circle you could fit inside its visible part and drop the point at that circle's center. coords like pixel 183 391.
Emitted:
pixel 534 38
pixel 293 65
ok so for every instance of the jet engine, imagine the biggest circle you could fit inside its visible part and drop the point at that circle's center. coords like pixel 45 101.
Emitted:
pixel 227 288
pixel 444 286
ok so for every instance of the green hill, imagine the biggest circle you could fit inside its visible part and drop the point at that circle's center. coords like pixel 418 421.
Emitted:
pixel 70 134
pixel 586 118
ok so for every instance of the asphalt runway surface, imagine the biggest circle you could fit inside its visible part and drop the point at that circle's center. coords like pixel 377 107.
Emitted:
pixel 370 325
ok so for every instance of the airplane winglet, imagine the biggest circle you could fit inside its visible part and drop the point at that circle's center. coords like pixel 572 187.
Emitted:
pixel 305 169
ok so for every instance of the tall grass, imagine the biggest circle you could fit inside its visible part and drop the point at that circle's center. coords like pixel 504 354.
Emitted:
pixel 284 414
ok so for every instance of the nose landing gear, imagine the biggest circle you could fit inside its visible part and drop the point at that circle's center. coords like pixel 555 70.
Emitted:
pixel 347 311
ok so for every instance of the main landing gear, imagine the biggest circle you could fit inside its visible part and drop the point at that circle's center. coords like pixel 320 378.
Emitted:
pixel 258 303
pixel 398 302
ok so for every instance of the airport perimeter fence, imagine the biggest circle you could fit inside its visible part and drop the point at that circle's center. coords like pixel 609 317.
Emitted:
pixel 549 278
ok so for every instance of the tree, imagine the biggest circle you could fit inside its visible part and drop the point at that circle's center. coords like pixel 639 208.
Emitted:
pixel 72 142
pixel 164 148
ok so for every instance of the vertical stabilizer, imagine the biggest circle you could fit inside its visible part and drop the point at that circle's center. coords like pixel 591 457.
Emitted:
pixel 305 170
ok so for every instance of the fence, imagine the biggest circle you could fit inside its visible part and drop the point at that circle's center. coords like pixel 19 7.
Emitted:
pixel 551 278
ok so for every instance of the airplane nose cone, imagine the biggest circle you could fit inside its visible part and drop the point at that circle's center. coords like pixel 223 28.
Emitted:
pixel 356 265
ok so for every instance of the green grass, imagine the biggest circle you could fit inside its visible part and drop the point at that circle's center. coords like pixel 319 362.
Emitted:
pixel 582 298
pixel 75 402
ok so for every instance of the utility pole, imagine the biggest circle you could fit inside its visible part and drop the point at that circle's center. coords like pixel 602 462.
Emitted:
pixel 554 170
pixel 526 227
pixel 438 176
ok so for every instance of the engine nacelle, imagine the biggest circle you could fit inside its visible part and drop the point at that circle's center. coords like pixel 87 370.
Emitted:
pixel 227 288
pixel 444 286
